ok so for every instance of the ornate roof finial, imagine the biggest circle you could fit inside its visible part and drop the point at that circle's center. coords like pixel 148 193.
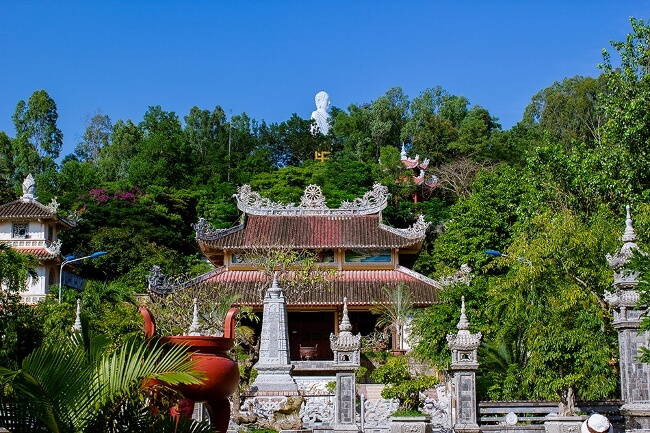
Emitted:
pixel 275 290
pixel 629 235
pixel 195 327
pixel 463 323
pixel 77 321
pixel 345 325
pixel 29 188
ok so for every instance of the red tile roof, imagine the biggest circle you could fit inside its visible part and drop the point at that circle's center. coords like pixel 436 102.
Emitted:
pixel 309 232
pixel 362 288
pixel 30 209
pixel 40 253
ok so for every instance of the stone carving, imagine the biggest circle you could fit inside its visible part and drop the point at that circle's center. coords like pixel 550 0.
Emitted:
pixel 29 188
pixel 416 231
pixel 53 206
pixel 311 203
pixel 77 320
pixel 317 412
pixel 161 285
pixel 321 116
pixel 463 276
pixel 53 248
pixel 377 413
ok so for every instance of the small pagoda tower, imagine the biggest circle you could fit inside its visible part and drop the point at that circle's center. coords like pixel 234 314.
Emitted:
pixel 31 227
pixel 464 363
pixel 346 346
pixel 274 365
pixel 635 375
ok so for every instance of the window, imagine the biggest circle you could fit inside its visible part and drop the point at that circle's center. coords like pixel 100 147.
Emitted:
pixel 369 256
pixel 50 233
pixel 20 230
pixel 51 278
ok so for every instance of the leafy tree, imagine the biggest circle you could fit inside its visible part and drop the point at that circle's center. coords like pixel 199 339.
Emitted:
pixel 570 110
pixel 114 161
pixel 626 130
pixel 207 133
pixel 96 136
pixel 20 330
pixel 38 140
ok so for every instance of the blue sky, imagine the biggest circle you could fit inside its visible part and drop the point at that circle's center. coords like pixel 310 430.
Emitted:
pixel 269 59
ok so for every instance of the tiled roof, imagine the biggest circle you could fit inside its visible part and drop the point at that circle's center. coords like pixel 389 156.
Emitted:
pixel 310 232
pixel 362 288
pixel 40 253
pixel 30 209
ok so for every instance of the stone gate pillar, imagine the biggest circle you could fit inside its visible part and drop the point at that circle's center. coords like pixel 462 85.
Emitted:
pixel 347 348
pixel 635 375
pixel 464 362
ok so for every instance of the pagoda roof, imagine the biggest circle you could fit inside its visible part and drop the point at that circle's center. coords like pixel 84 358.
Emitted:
pixel 362 288
pixel 29 209
pixel 310 225
pixel 311 232
pixel 40 253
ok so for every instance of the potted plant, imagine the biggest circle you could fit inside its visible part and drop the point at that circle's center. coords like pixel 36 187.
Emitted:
pixel 406 387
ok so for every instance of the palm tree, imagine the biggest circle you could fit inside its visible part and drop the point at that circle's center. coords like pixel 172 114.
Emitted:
pixel 395 312
pixel 78 386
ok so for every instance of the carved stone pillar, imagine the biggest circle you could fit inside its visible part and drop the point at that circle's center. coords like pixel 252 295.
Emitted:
pixel 346 348
pixel 464 363
pixel 635 375
pixel 274 364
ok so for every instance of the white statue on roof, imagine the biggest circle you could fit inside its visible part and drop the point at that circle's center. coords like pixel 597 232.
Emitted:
pixel 321 115
pixel 29 188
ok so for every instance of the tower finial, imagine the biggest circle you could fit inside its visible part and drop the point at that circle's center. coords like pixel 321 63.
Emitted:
pixel 195 327
pixel 77 320
pixel 463 323
pixel 629 235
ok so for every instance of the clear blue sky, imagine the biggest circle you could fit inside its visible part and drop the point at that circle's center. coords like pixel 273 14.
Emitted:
pixel 269 59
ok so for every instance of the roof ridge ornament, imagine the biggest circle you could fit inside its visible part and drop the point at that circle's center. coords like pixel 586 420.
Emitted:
pixel 312 203
pixel 29 188
pixel 621 258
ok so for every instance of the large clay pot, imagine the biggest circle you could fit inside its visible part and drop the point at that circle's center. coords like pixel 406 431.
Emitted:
pixel 221 373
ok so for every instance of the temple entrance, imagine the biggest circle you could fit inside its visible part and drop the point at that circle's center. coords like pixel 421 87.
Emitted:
pixel 311 330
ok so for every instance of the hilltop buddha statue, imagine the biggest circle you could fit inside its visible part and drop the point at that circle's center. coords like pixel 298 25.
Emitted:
pixel 321 115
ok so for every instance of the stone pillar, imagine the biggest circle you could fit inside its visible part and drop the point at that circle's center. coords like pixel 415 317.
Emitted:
pixel 347 349
pixel 464 363
pixel 274 364
pixel 635 375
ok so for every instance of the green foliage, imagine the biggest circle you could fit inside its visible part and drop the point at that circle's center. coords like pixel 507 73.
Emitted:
pixel 76 385
pixel 21 331
pixel 38 140
pixel 395 313
pixel 400 384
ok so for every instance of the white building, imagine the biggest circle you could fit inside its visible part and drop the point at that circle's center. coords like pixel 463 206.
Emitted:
pixel 32 227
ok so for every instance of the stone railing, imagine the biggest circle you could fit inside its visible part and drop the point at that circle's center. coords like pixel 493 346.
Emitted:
pixel 529 416
pixel 30 299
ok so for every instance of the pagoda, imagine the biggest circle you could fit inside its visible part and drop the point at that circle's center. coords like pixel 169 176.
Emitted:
pixel 357 252
pixel 31 227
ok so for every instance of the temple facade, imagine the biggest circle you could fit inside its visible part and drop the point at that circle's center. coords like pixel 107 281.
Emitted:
pixel 357 254
pixel 33 228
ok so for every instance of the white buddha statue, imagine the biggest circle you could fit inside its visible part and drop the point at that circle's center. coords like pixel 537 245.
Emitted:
pixel 321 115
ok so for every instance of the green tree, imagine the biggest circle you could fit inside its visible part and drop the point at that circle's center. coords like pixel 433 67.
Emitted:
pixel 20 329
pixel 97 135
pixel 627 128
pixel 38 139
